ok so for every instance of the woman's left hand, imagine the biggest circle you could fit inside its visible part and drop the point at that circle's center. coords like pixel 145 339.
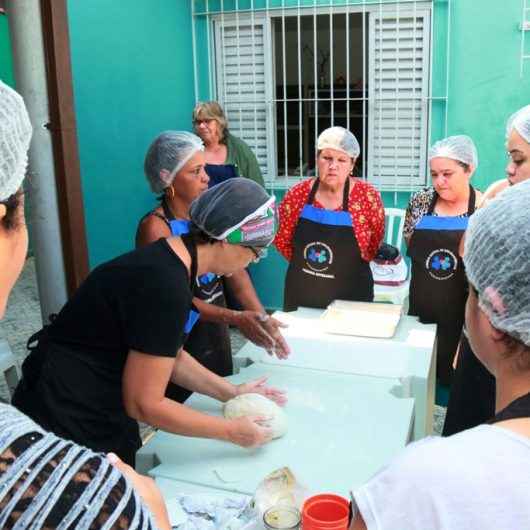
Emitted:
pixel 258 386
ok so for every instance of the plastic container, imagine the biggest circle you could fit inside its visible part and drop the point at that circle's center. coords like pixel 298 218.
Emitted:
pixel 281 518
pixel 325 511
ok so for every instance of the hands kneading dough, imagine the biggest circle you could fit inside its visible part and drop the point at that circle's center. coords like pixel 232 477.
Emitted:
pixel 256 404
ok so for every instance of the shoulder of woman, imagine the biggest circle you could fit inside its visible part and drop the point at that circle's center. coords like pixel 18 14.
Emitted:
pixel 233 142
pixel 492 191
pixel 151 228
pixel 362 186
pixel 300 187
pixel 420 196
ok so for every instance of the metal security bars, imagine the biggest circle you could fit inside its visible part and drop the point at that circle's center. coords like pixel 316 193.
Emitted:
pixel 284 71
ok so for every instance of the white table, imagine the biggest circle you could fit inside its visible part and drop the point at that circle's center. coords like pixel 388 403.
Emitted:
pixel 408 356
pixel 342 429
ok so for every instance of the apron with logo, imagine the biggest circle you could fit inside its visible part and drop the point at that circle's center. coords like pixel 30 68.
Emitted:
pixel 438 285
pixel 326 264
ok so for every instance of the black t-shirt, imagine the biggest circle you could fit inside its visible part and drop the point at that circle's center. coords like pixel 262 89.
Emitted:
pixel 138 301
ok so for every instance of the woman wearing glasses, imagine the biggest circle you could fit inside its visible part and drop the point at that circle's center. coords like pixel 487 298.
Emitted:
pixel 226 156
pixel 107 358
pixel 330 228
pixel 175 168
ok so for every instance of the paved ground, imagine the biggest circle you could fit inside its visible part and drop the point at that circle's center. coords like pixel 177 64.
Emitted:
pixel 23 318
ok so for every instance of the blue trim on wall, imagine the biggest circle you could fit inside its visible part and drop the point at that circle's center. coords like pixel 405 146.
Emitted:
pixel 434 222
pixel 326 217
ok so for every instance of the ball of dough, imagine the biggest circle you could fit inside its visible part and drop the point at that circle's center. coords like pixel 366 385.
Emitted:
pixel 256 404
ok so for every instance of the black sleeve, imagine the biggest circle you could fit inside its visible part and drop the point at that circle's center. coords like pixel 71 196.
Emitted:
pixel 154 312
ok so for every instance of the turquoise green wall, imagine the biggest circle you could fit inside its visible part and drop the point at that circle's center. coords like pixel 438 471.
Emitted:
pixel 133 78
pixel 6 61
pixel 485 83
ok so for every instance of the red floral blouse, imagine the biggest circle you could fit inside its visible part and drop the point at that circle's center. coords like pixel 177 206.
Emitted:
pixel 365 206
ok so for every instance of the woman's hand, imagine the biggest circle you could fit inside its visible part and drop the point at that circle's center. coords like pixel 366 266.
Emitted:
pixel 258 386
pixel 147 489
pixel 263 331
pixel 281 348
pixel 249 431
pixel 250 325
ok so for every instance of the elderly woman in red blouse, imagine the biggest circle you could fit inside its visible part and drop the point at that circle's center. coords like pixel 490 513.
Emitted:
pixel 330 228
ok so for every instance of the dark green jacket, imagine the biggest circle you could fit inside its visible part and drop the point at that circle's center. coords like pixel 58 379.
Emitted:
pixel 241 156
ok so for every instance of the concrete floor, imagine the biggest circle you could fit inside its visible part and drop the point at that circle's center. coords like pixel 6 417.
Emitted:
pixel 23 318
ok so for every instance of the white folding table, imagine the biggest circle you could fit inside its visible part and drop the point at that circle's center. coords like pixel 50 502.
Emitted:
pixel 408 356
pixel 342 429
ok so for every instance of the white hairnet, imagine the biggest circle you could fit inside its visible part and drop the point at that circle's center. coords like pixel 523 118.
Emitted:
pixel 340 139
pixel 520 121
pixel 460 148
pixel 170 150
pixel 497 260
pixel 238 210
pixel 15 136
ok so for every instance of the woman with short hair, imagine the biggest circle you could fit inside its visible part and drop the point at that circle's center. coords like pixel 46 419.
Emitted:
pixel 226 155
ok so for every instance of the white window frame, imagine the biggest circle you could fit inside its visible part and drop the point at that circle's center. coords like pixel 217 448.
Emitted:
pixel 265 17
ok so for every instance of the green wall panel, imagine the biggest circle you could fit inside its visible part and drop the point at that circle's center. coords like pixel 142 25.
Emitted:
pixel 6 60
pixel 133 78
pixel 485 83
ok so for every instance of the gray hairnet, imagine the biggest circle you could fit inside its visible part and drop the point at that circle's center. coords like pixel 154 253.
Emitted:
pixel 15 136
pixel 340 139
pixel 460 148
pixel 170 150
pixel 520 121
pixel 497 260
pixel 236 205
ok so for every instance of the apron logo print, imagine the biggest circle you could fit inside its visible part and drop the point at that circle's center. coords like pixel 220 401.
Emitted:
pixel 207 283
pixel 441 264
pixel 318 256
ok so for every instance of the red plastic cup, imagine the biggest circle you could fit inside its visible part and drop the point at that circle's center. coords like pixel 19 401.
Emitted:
pixel 325 511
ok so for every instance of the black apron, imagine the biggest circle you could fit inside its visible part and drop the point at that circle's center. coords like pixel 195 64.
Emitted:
pixel 326 264
pixel 207 342
pixel 472 396
pixel 438 285
pixel 219 173
pixel 518 408
pixel 68 410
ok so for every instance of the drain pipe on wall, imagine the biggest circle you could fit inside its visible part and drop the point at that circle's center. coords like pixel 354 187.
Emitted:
pixel 25 28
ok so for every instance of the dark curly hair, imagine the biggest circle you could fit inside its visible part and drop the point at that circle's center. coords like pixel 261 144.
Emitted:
pixel 12 219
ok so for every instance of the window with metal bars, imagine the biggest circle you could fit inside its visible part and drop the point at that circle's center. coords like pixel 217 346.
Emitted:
pixel 284 75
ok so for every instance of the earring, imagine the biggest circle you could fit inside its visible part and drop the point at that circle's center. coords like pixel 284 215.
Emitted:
pixel 170 193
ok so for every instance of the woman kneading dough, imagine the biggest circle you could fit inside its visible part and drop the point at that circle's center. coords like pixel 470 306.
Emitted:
pixel 107 358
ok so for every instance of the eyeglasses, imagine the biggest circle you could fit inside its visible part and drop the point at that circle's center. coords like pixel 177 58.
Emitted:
pixel 207 121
